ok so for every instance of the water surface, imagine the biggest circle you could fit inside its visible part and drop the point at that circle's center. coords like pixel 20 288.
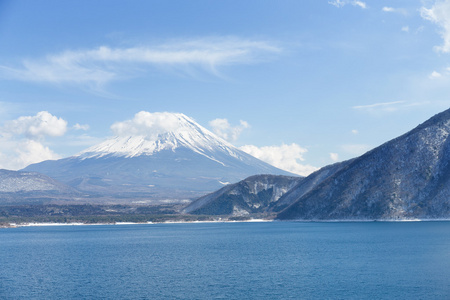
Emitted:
pixel 277 260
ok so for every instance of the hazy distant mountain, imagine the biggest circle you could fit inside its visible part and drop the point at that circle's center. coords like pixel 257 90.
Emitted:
pixel 408 177
pixel 256 194
pixel 185 162
pixel 30 187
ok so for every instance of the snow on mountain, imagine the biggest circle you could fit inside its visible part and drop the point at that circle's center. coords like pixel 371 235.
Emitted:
pixel 159 155
pixel 186 134
pixel 13 182
pixel 255 194
pixel 25 187
pixel 261 193
pixel 405 178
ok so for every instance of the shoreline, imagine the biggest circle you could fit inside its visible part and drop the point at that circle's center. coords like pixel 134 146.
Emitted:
pixel 50 224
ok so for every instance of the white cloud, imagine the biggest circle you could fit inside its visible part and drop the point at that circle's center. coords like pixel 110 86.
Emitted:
pixel 439 14
pixel 104 64
pixel 334 157
pixel 223 129
pixel 153 124
pixel 389 107
pixel 360 4
pixel 17 154
pixel 341 3
pixel 388 9
pixel 38 126
pixel 382 106
pixel 21 140
pixel 337 3
pixel 286 157
pixel 435 75
pixel 30 152
pixel 354 131
pixel 147 124
pixel 81 127
pixel 405 29
pixel 356 149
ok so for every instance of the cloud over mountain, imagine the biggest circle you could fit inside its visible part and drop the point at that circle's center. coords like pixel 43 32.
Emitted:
pixel 156 155
pixel 147 124
pixel 286 157
pixel 223 129
pixel 22 140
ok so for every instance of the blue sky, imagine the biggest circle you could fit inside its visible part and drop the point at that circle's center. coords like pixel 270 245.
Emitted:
pixel 300 84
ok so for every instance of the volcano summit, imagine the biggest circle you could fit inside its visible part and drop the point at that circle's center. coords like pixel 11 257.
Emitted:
pixel 156 156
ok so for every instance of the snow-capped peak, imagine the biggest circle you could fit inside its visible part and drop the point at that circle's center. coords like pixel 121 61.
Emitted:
pixel 149 133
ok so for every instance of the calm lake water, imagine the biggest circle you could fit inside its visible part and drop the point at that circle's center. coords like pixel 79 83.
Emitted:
pixel 279 260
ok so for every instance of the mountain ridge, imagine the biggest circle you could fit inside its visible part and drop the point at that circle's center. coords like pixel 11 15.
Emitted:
pixel 406 177
pixel 31 187
pixel 182 161
pixel 187 133
pixel 255 194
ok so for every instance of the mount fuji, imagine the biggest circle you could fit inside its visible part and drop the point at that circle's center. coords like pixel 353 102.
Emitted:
pixel 166 156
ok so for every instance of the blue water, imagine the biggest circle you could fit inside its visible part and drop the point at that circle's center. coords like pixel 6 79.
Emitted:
pixel 280 260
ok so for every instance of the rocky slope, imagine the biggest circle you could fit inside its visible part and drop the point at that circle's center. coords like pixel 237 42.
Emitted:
pixel 405 178
pixel 254 195
pixel 307 184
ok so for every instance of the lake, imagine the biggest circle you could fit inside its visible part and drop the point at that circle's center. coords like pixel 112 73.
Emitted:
pixel 266 260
